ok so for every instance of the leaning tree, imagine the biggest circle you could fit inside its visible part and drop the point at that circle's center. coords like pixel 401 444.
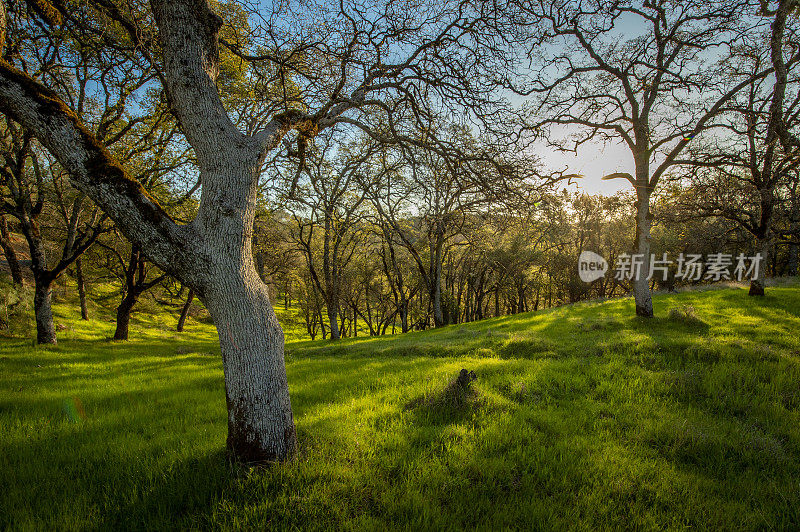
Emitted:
pixel 311 67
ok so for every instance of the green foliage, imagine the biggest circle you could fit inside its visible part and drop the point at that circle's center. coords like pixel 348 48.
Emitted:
pixel 581 417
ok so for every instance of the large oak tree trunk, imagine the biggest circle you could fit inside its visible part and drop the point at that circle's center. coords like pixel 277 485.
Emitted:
pixel 260 422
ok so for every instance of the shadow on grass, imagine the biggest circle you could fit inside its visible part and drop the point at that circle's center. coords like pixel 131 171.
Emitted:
pixel 110 475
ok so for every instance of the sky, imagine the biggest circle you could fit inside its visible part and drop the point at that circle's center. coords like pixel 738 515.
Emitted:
pixel 593 161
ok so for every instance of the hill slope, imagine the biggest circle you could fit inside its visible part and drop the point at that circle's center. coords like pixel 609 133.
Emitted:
pixel 580 417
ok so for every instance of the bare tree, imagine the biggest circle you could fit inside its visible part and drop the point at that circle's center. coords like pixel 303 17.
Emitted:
pixel 738 173
pixel 328 207
pixel 652 91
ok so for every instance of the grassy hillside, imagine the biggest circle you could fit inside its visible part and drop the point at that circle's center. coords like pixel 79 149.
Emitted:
pixel 581 417
pixel 151 317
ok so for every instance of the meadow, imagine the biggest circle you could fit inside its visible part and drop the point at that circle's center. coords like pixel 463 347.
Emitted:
pixel 581 417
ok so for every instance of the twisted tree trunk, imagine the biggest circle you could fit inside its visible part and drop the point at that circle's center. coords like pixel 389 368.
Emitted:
pixel 124 311
pixel 260 422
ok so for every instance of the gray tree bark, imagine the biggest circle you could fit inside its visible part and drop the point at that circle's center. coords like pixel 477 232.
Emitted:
pixel 641 288
pixel 43 310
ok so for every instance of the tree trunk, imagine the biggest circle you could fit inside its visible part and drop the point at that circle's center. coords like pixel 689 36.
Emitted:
pixel 81 288
pixel 757 284
pixel 8 251
pixel 260 422
pixel 436 301
pixel 333 319
pixel 793 255
pixel 404 314
pixel 641 288
pixel 124 311
pixel 436 294
pixel 185 311
pixel 42 299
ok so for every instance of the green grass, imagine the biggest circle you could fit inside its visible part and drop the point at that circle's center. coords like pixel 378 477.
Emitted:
pixel 581 417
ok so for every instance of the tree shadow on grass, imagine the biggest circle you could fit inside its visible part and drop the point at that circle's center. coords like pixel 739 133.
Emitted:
pixel 457 401
pixel 182 493
pixel 109 475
